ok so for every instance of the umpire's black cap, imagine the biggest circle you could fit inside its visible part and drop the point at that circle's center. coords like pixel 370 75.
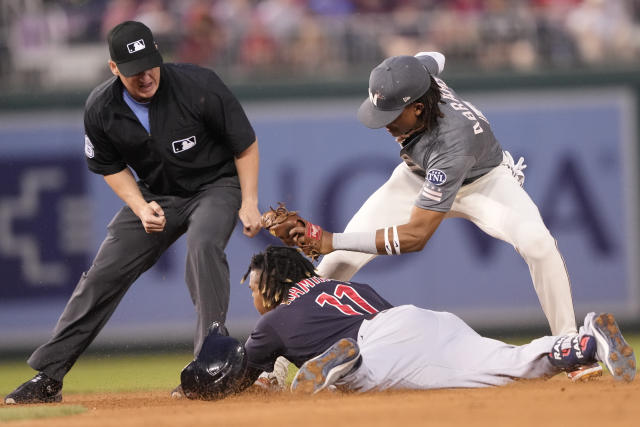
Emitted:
pixel 132 48
pixel 395 83
pixel 219 368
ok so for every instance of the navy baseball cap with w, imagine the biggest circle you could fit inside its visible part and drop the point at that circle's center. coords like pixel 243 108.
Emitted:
pixel 132 47
pixel 395 83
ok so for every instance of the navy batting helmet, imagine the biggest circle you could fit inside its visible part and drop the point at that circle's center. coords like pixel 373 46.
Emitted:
pixel 218 369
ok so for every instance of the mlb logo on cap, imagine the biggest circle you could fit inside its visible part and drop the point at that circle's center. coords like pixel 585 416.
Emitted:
pixel 132 48
pixel 136 46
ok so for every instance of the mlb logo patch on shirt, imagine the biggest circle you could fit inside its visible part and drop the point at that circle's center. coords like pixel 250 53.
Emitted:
pixel 183 144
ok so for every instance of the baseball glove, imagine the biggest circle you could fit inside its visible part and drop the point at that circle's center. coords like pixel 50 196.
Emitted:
pixel 279 222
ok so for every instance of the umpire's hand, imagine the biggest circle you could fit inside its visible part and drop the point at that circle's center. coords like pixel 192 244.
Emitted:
pixel 250 217
pixel 152 217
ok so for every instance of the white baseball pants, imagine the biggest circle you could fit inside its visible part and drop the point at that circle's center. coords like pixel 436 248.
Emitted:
pixel 499 206
pixel 407 347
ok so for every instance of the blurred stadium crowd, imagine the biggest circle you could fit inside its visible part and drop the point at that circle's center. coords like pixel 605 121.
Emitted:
pixel 47 44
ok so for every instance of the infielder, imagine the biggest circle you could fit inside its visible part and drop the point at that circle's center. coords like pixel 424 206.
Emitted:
pixel 189 141
pixel 453 166
pixel 346 334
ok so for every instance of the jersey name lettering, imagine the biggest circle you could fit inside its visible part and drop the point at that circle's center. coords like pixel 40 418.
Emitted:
pixel 466 108
pixel 303 287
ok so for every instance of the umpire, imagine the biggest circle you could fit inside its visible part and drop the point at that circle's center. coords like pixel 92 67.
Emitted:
pixel 195 153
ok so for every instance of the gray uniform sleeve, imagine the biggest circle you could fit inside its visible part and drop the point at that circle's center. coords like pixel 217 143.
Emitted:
pixel 444 177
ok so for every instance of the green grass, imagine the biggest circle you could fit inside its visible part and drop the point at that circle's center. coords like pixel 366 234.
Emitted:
pixel 138 372
pixel 32 412
pixel 107 374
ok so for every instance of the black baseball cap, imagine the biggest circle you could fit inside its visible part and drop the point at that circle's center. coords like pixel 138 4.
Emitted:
pixel 395 83
pixel 132 48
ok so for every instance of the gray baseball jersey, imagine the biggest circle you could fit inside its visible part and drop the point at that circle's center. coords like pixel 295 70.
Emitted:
pixel 459 150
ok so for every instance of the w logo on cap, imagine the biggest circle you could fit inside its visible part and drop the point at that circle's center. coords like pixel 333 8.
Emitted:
pixel 374 97
pixel 135 46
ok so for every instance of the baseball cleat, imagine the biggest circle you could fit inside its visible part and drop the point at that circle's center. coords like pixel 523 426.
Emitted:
pixel 585 373
pixel 39 389
pixel 613 350
pixel 322 371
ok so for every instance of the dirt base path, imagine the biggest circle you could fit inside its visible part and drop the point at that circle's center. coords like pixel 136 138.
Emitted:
pixel 602 402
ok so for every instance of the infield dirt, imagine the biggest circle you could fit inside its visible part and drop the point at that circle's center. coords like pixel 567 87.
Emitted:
pixel 602 402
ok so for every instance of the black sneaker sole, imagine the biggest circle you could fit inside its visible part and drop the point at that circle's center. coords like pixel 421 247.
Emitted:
pixel 10 400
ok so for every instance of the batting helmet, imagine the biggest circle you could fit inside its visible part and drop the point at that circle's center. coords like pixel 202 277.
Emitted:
pixel 218 369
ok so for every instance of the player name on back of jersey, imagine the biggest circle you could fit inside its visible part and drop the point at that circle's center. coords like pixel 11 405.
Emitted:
pixel 465 107
pixel 303 287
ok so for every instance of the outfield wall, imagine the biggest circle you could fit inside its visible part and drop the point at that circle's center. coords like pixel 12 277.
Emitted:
pixel 580 145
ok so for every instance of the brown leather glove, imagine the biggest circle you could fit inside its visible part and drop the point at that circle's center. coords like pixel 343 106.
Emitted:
pixel 281 221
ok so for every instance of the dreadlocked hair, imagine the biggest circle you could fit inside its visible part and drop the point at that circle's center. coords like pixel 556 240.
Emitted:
pixel 431 100
pixel 281 267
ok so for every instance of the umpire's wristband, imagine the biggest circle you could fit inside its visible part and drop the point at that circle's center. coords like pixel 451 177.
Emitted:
pixel 364 241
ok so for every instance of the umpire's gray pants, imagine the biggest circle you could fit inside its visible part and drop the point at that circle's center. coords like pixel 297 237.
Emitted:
pixel 208 218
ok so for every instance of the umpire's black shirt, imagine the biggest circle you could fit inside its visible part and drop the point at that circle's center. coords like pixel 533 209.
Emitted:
pixel 197 126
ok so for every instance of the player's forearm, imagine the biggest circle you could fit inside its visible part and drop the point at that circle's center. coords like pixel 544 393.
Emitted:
pixel 403 239
pixel 385 241
pixel 124 185
pixel 248 166
pixel 394 240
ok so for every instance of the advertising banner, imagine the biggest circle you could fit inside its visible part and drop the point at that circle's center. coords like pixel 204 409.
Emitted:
pixel 579 145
